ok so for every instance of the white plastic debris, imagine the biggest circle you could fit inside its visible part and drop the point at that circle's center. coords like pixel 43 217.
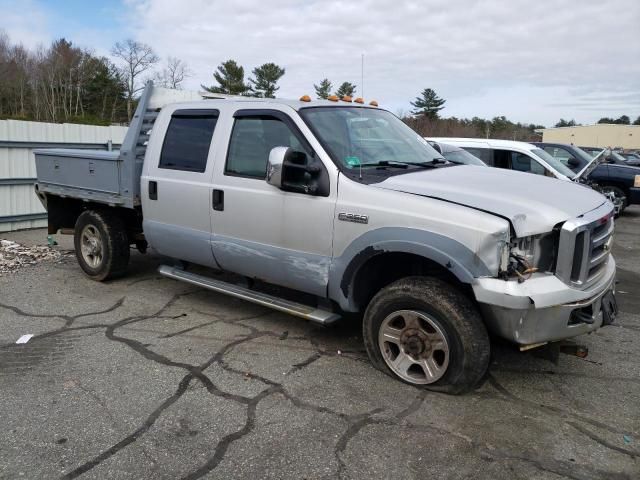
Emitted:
pixel 14 255
pixel 25 338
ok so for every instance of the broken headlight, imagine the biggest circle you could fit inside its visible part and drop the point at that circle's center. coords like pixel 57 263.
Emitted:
pixel 522 257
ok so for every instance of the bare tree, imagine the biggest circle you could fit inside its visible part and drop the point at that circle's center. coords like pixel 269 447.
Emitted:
pixel 137 58
pixel 173 74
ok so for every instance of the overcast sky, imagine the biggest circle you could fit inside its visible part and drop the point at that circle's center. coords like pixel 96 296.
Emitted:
pixel 532 61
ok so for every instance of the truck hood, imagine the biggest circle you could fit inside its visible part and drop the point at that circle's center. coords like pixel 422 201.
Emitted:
pixel 591 166
pixel 532 203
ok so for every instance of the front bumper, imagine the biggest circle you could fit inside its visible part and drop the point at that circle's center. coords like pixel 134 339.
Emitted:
pixel 543 308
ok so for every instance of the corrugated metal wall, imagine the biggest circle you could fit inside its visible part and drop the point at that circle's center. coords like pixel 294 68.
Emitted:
pixel 19 205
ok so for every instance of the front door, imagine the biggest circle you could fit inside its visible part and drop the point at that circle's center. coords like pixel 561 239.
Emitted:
pixel 259 230
pixel 176 186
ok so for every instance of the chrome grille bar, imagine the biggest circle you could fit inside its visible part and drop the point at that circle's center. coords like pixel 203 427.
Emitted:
pixel 585 247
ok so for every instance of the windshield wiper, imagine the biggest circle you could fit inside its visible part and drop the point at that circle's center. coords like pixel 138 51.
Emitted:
pixel 398 164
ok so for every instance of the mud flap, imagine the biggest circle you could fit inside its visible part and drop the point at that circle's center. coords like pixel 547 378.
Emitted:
pixel 609 308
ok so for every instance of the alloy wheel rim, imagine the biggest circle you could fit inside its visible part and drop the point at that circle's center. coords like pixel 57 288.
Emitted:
pixel 414 346
pixel 91 246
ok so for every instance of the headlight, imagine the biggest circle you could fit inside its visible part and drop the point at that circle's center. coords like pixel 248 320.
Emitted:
pixel 528 255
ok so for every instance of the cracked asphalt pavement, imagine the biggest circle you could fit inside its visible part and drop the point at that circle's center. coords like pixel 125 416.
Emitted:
pixel 146 377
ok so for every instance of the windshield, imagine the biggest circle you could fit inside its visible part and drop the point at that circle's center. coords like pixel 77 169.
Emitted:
pixel 592 151
pixel 462 157
pixel 618 157
pixel 355 137
pixel 554 163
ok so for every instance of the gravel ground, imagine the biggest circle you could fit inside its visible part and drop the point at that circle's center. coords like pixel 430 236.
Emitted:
pixel 146 377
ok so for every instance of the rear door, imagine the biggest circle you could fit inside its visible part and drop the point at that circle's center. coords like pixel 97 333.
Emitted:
pixel 176 185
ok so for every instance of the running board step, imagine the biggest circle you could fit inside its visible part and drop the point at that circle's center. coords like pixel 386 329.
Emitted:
pixel 297 309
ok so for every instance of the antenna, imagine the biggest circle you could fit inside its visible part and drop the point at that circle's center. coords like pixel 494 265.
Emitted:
pixel 362 75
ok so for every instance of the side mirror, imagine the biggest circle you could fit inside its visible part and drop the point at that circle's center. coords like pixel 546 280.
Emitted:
pixel 290 170
pixel 436 146
pixel 574 163
pixel 274 165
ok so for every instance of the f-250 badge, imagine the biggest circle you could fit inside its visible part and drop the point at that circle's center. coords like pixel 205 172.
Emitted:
pixel 353 217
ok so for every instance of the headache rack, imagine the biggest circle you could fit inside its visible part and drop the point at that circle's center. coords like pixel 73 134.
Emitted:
pixel 109 177
pixel 585 246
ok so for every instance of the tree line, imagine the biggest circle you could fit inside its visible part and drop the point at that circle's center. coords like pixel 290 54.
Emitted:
pixel 425 119
pixel 67 83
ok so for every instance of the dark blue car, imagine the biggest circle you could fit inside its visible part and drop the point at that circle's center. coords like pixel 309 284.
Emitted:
pixel 620 179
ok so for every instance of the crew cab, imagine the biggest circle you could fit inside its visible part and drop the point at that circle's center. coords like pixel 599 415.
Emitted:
pixel 344 204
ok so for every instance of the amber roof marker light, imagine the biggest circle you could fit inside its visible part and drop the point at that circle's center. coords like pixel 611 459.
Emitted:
pixel 359 100
pixel 373 103
pixel 305 98
pixel 332 98
pixel 346 98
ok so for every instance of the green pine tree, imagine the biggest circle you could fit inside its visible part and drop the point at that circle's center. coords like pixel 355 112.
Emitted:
pixel 230 78
pixel 324 89
pixel 266 79
pixel 428 104
pixel 346 89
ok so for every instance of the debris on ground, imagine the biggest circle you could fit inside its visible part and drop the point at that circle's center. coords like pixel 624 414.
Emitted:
pixel 14 255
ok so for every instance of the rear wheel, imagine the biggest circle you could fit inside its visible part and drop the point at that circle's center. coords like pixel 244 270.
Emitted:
pixel 101 244
pixel 425 332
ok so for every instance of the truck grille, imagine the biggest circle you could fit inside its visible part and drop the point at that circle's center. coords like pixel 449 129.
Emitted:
pixel 585 246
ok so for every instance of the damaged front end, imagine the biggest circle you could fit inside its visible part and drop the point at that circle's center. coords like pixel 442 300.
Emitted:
pixel 555 285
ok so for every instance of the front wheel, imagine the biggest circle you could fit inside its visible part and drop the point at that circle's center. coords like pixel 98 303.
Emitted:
pixel 425 332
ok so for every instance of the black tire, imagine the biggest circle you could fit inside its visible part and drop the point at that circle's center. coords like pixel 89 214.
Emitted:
pixel 458 318
pixel 111 235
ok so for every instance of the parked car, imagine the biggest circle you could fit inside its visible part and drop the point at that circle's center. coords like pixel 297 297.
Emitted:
pixel 346 204
pixel 613 175
pixel 632 159
pixel 510 155
pixel 527 157
pixel 629 158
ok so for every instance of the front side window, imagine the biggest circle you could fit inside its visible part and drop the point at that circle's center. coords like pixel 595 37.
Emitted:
pixel 187 141
pixel 524 163
pixel 252 139
pixel 555 163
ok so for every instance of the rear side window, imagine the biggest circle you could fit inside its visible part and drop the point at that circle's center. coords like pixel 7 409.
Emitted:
pixel 483 154
pixel 187 141
pixel 252 139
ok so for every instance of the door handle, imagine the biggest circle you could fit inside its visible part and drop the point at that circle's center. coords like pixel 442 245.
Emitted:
pixel 217 199
pixel 153 190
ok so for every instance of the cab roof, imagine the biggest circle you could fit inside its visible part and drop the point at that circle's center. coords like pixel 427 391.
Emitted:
pixel 487 142
pixel 295 104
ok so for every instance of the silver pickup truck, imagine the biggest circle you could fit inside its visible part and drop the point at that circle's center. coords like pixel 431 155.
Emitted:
pixel 345 203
